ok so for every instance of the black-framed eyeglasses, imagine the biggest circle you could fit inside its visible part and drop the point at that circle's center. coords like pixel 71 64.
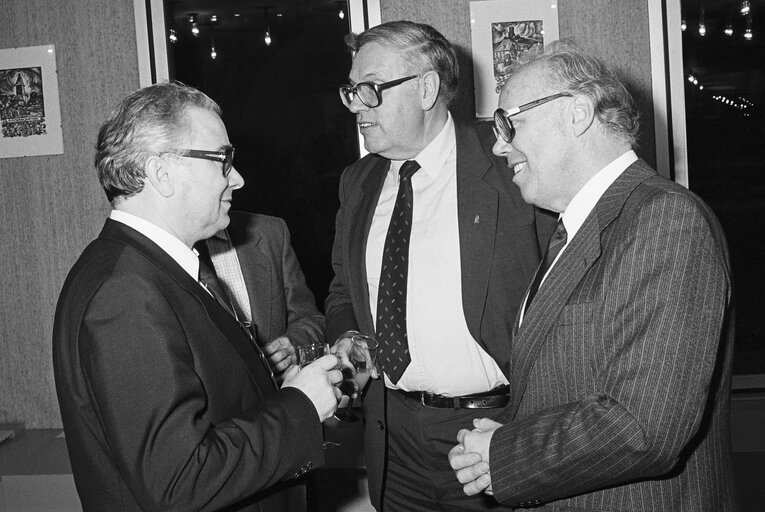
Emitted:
pixel 226 157
pixel 369 93
pixel 503 126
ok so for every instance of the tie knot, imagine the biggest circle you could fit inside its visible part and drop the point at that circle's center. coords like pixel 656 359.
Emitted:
pixel 560 234
pixel 408 169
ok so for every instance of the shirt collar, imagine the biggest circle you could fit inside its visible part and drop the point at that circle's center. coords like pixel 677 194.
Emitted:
pixel 176 249
pixel 588 196
pixel 433 156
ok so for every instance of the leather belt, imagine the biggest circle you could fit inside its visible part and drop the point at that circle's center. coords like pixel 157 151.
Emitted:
pixel 497 397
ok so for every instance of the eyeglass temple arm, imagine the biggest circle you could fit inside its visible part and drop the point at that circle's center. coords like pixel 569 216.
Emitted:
pixel 517 110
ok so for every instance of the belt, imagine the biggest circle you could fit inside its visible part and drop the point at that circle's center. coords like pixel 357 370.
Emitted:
pixel 497 397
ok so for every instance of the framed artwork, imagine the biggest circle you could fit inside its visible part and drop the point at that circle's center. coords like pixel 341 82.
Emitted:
pixel 504 33
pixel 30 114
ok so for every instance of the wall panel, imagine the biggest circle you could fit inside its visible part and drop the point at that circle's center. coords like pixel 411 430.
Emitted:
pixel 52 206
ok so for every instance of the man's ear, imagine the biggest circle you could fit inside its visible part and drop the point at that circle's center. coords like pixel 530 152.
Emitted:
pixel 582 114
pixel 431 86
pixel 158 174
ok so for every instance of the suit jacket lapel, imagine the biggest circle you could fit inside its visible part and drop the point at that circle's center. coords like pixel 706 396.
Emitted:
pixel 256 272
pixel 584 249
pixel 477 199
pixel 363 210
pixel 219 317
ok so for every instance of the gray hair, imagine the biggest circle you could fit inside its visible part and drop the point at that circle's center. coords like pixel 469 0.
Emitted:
pixel 148 122
pixel 574 71
pixel 425 47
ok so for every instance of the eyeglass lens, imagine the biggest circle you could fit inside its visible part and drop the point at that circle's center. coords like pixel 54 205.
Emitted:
pixel 503 126
pixel 365 91
pixel 228 161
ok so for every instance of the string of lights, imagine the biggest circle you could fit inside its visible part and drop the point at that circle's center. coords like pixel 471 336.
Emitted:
pixel 198 22
pixel 744 9
pixel 740 103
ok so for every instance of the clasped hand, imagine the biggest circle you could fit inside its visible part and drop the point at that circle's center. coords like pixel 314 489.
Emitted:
pixel 470 458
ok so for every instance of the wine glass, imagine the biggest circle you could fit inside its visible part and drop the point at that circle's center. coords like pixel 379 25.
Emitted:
pixel 306 354
pixel 362 354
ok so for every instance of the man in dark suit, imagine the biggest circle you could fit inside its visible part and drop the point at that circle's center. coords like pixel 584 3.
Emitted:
pixel 254 259
pixel 473 249
pixel 621 366
pixel 166 402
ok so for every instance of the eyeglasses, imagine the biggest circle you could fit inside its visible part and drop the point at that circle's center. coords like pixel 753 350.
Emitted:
pixel 503 126
pixel 226 157
pixel 369 93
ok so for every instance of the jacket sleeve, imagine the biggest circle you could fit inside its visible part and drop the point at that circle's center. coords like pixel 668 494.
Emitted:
pixel 305 324
pixel 338 305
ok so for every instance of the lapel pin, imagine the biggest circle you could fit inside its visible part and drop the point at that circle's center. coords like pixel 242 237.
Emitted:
pixel 476 219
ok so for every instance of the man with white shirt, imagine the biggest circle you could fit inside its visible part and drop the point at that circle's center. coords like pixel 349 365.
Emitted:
pixel 166 402
pixel 621 363
pixel 432 203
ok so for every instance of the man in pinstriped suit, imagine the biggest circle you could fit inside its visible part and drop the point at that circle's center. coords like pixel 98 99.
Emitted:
pixel 621 363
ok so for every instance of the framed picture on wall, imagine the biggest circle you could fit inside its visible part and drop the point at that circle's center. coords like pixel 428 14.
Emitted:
pixel 30 114
pixel 504 33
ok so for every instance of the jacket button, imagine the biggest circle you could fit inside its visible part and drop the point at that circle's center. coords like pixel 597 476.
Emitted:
pixel 380 425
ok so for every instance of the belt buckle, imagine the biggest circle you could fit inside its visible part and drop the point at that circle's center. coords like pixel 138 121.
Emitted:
pixel 422 399
pixel 477 403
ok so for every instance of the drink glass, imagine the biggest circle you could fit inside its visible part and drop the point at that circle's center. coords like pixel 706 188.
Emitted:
pixel 306 354
pixel 362 355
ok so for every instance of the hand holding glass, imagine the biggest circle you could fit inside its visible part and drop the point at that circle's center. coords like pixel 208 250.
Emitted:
pixel 358 355
pixel 307 354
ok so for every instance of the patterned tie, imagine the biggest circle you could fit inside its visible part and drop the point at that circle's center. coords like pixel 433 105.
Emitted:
pixel 557 241
pixel 391 298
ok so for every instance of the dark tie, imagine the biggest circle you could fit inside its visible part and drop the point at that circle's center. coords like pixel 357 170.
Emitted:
pixel 391 295
pixel 209 278
pixel 557 241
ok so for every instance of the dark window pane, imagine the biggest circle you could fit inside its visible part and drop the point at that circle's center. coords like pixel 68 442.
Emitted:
pixel 281 106
pixel 725 118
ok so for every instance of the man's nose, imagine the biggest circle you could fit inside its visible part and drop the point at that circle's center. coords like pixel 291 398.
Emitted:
pixel 356 105
pixel 235 180
pixel 501 147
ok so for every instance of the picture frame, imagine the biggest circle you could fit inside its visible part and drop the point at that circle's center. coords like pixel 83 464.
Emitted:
pixel 30 113
pixel 503 33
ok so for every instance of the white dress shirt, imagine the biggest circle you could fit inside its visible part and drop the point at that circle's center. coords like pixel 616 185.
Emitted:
pixel 176 249
pixel 445 359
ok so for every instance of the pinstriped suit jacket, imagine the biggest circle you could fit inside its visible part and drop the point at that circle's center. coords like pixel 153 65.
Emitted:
pixel 620 372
